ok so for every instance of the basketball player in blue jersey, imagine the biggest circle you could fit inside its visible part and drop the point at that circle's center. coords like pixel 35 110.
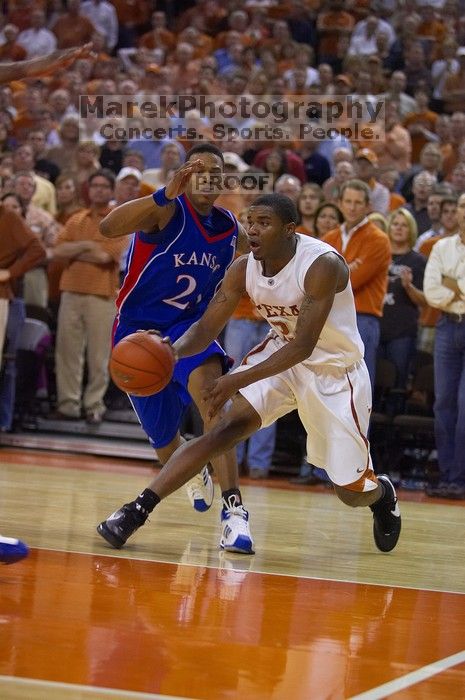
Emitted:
pixel 179 254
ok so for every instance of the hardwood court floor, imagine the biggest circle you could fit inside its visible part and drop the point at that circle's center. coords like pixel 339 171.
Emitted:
pixel 317 614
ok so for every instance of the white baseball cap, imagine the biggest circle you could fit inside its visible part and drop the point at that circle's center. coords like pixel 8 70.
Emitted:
pixel 235 160
pixel 129 172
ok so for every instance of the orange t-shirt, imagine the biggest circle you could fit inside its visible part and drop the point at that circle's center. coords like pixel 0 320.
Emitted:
pixel 427 119
pixel 396 201
pixel 368 255
pixel 334 25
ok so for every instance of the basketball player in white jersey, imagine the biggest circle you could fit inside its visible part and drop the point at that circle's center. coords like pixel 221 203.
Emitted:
pixel 311 361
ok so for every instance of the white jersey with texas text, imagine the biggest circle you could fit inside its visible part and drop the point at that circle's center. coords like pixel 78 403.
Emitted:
pixel 278 299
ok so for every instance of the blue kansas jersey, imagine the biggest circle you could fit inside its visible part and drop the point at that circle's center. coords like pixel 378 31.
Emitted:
pixel 172 275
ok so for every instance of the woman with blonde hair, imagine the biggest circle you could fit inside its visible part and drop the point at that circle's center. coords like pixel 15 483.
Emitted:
pixel 399 324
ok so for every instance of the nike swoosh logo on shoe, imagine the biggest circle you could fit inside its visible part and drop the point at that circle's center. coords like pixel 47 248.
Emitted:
pixel 396 511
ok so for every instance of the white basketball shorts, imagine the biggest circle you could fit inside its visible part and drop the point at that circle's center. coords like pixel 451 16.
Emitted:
pixel 334 406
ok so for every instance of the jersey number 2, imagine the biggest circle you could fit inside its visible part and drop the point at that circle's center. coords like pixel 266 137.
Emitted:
pixel 191 285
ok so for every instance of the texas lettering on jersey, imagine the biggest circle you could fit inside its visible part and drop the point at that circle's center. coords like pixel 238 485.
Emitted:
pixel 272 311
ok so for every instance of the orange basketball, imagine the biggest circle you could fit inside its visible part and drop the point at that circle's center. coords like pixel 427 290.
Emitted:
pixel 141 364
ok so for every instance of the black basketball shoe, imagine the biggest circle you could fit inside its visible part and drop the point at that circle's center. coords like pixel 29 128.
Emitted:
pixel 386 517
pixel 122 524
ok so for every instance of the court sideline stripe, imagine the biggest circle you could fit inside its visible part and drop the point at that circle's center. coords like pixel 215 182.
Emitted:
pixel 421 674
pixel 16 680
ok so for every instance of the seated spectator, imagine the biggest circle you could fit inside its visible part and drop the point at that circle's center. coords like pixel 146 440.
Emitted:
pixel 303 61
pixel 310 198
pixel 328 216
pixel 332 24
pixel 44 226
pixel 450 150
pixel 170 160
pixel 67 197
pixel 363 37
pixel 112 154
pixel 42 166
pixel 44 194
pixel 332 187
pixel 448 224
pixel 404 297
pixel 38 40
pixel 366 166
pixel 11 50
pixel 159 36
pixel 421 123
pixel 457 178
pixel 200 42
pixel 102 16
pixel 317 168
pixel 395 149
pixel 430 162
pixel 454 87
pixel 132 18
pixel 396 93
pixel 422 187
pixel 406 36
pixel 288 185
pixel 442 69
pixel 60 102
pixel 72 28
pixel 278 41
pixel 416 71
pixel 86 163
pixel 46 123
pixel 233 198
pixel 127 186
pixel 433 207
pixel 64 154
pixel 389 178
pixel 379 220
pixel 279 161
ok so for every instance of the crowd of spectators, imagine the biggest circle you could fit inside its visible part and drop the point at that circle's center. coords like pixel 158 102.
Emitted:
pixel 60 174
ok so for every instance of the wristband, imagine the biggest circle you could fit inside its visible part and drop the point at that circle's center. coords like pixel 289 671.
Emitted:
pixel 160 198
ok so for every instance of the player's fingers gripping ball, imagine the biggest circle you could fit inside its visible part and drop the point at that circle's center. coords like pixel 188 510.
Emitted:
pixel 142 363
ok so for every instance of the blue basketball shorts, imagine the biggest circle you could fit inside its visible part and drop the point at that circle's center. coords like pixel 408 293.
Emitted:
pixel 160 415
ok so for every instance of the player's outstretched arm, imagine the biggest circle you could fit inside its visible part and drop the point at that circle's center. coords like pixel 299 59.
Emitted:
pixel 43 65
pixel 137 215
pixel 327 275
pixel 151 213
pixel 207 329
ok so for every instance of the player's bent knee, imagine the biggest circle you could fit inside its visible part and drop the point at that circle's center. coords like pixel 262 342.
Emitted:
pixel 355 499
pixel 236 425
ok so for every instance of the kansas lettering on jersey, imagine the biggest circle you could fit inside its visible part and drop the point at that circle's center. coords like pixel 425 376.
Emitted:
pixel 172 274
pixel 278 300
